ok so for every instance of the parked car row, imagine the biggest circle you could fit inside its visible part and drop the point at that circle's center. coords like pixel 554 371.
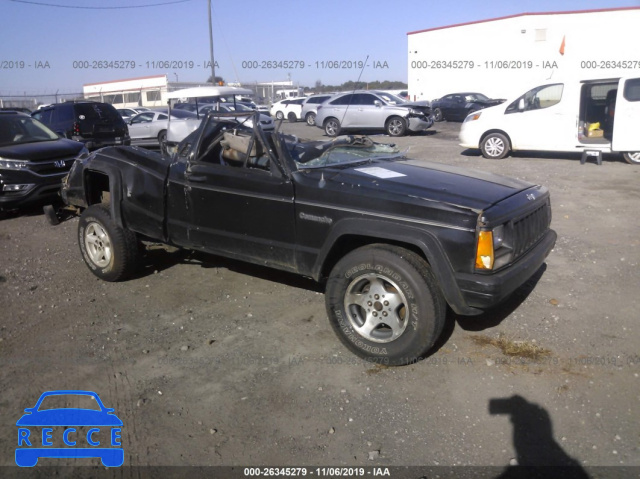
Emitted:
pixel 204 100
pixel 358 110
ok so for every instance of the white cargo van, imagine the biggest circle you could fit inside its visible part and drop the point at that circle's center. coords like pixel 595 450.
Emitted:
pixel 589 115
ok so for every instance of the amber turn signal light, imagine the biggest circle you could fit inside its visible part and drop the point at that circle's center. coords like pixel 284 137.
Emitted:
pixel 484 251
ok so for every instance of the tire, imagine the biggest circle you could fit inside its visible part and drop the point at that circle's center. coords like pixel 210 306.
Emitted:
pixel 311 119
pixel 109 251
pixel 50 215
pixel 292 117
pixel 632 157
pixel 162 138
pixel 279 115
pixel 495 146
pixel 357 286
pixel 332 127
pixel 437 115
pixel 396 126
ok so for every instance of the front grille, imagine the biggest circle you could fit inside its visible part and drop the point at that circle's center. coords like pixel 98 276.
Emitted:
pixel 530 228
pixel 57 166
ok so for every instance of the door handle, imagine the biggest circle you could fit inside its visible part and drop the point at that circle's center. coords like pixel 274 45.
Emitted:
pixel 199 178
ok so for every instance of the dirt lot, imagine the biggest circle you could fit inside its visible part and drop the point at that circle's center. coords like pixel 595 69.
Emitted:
pixel 214 362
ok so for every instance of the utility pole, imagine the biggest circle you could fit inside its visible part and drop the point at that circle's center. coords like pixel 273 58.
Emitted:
pixel 213 65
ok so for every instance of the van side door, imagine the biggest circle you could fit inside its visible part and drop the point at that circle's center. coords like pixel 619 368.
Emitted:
pixel 627 116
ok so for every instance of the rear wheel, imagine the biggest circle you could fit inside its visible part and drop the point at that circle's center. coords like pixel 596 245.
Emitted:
pixel 332 127
pixel 292 117
pixel 396 126
pixel 110 252
pixel 632 157
pixel 311 119
pixel 384 304
pixel 495 146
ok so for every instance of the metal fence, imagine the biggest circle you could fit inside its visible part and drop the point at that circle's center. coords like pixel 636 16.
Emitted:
pixel 33 101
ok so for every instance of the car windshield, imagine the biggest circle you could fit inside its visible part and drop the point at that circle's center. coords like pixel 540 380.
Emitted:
pixel 476 97
pixel 18 129
pixel 239 107
pixel 65 401
pixel 344 150
pixel 182 114
pixel 391 99
pixel 225 108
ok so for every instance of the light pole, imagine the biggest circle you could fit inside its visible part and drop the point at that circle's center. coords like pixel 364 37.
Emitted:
pixel 213 66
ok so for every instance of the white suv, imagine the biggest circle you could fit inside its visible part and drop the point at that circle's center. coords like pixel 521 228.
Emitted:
pixel 291 109
pixel 310 108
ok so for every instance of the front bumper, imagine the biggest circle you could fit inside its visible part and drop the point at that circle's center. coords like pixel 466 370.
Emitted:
pixel 40 188
pixel 484 291
pixel 469 135
pixel 419 124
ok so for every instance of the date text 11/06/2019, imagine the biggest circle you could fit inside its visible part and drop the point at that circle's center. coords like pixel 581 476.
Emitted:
pixel 317 471
pixel 206 64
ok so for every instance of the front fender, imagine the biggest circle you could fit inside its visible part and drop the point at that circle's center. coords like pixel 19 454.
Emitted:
pixel 424 240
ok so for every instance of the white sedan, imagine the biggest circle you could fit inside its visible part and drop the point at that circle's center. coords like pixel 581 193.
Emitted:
pixel 150 127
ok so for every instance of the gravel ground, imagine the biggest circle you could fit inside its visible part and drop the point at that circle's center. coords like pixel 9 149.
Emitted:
pixel 213 362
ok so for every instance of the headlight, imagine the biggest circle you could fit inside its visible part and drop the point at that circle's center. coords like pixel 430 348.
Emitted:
pixel 12 164
pixel 473 116
pixel 493 249
pixel 484 250
pixel 498 237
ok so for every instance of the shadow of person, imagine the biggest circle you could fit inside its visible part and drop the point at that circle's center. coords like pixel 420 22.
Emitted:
pixel 538 455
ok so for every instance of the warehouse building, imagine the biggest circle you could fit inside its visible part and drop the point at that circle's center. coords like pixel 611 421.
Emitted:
pixel 502 57
pixel 152 91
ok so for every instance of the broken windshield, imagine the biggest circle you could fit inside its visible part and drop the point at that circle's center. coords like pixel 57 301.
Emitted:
pixel 344 150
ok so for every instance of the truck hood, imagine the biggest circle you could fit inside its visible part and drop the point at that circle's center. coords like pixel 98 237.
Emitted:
pixel 429 181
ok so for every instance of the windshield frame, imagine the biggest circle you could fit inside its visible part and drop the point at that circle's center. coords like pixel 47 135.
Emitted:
pixel 346 142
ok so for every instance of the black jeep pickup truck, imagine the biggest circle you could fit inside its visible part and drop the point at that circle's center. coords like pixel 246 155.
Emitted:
pixel 394 240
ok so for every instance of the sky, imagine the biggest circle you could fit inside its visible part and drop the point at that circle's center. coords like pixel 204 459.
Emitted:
pixel 48 48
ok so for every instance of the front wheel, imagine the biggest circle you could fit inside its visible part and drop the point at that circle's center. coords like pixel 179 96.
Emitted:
pixel 279 115
pixel 385 305
pixel 110 252
pixel 332 127
pixel 495 146
pixel 632 157
pixel 396 126
pixel 311 119
pixel 162 139
pixel 437 114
